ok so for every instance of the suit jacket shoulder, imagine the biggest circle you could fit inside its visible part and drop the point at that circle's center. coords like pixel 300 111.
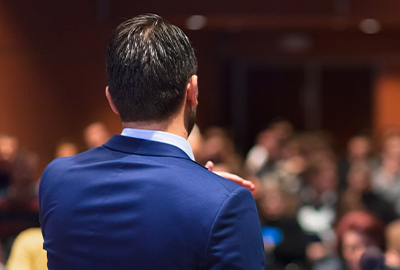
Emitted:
pixel 116 206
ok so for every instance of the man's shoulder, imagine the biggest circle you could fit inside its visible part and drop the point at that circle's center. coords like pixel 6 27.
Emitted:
pixel 175 172
pixel 56 164
pixel 64 163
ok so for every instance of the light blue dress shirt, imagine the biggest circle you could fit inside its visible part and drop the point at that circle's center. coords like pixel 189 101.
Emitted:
pixel 160 136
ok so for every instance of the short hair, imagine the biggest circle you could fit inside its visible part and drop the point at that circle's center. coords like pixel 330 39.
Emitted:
pixel 149 63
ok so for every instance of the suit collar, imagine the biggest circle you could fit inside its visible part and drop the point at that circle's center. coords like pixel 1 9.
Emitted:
pixel 160 136
pixel 144 147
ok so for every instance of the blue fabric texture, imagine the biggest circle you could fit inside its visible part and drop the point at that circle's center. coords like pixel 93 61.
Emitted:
pixel 140 204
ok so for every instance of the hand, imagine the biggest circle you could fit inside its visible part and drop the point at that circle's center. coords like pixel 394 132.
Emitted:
pixel 232 177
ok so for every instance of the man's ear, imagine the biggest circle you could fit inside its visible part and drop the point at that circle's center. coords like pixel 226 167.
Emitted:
pixel 111 102
pixel 192 91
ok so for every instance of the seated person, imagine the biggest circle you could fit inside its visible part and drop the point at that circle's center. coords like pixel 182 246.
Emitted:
pixel 280 228
pixel 27 252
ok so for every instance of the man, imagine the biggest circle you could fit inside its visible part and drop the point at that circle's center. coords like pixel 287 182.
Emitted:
pixel 140 201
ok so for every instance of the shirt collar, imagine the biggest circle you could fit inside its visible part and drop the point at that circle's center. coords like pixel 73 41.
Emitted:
pixel 160 136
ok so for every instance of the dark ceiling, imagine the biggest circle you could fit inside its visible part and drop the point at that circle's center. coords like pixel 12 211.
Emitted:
pixel 272 15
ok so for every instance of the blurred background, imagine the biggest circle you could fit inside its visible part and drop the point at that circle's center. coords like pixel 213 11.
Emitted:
pixel 330 65
pixel 302 97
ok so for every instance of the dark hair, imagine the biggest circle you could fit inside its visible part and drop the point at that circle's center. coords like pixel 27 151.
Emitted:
pixel 149 63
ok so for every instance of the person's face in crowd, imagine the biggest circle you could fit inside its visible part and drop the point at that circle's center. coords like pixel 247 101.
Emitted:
pixel 353 247
pixel 359 180
pixel 391 147
pixel 24 172
pixel 214 145
pixel 359 147
pixel 272 205
pixel 96 135
pixel 66 149
pixel 391 162
pixel 270 141
pixel 325 179
pixel 282 129
pixel 8 148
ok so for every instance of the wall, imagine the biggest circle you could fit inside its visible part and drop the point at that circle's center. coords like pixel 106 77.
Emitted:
pixel 52 73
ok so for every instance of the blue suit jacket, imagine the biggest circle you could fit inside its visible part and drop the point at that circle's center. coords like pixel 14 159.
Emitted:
pixel 139 204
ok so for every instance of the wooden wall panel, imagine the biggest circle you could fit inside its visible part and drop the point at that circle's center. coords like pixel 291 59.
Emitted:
pixel 52 73
pixel 387 101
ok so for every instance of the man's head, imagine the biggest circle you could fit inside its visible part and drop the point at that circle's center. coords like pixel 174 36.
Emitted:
pixel 149 65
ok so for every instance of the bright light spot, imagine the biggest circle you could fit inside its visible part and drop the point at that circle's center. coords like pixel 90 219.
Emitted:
pixel 295 42
pixel 370 26
pixel 196 22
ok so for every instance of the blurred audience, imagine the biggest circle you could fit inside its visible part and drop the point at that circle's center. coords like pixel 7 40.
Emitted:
pixel 359 196
pixel 356 232
pixel 27 251
pixel 284 241
pixel 372 259
pixel 318 198
pixel 392 254
pixel 359 151
pixel 66 149
pixel 317 212
pixel 19 205
pixel 96 134
pixel 262 156
pixel 386 179
pixel 196 141
pixel 290 168
pixel 8 153
pixel 218 147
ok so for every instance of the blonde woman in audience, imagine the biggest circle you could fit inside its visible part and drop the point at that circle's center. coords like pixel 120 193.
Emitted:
pixel 27 252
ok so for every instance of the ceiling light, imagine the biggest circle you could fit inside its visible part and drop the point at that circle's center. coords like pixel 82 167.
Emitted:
pixel 196 22
pixel 370 26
